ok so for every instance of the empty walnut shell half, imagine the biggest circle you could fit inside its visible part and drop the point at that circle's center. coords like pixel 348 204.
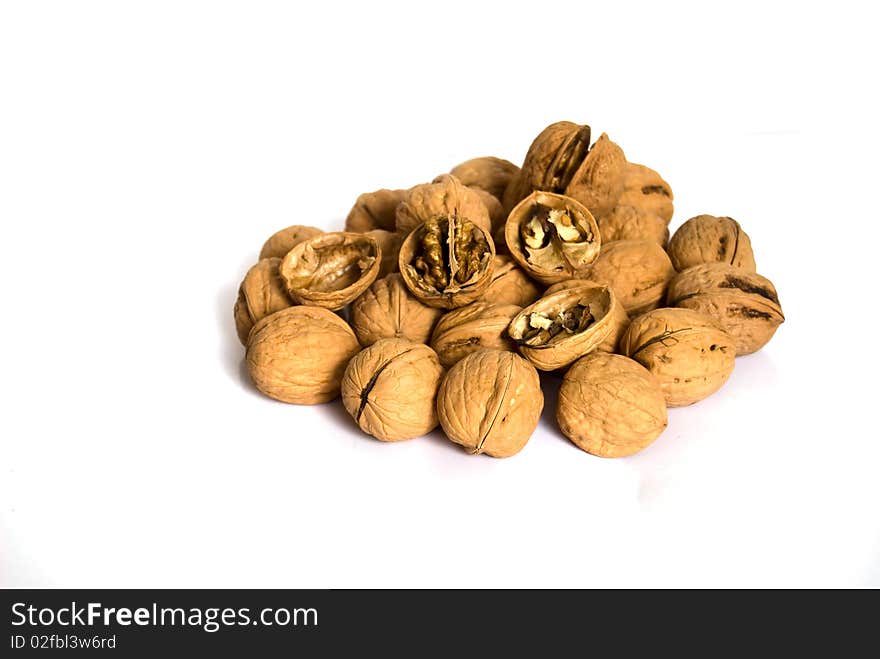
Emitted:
pixel 281 242
pixel 390 389
pixel 374 210
pixel 619 317
pixel 332 269
pixel 387 310
pixel 560 327
pixel 645 190
pixel 487 173
pixel 610 406
pixel 447 262
pixel 687 351
pixel 261 294
pixel 552 237
pixel 490 402
pixel 710 239
pixel 298 355
pixel 637 270
pixel 444 197
pixel 630 223
pixel 510 284
pixel 744 303
pixel 473 327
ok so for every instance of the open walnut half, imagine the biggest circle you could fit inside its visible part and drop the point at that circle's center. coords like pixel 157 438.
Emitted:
pixel 552 237
pixel 331 269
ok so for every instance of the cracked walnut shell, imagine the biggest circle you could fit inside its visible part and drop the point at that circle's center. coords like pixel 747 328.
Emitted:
pixel 387 310
pixel 710 239
pixel 637 270
pixel 473 327
pixel 619 317
pixel 374 210
pixel 261 294
pixel 281 242
pixel 487 173
pixel 445 197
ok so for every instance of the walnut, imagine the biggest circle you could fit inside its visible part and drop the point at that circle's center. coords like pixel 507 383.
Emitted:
pixel 510 284
pixel 610 405
pixel 645 190
pixel 473 327
pixel 374 210
pixel 619 317
pixel 687 352
pixel 444 197
pixel 261 293
pixel 487 173
pixel 497 216
pixel 552 237
pixel 332 269
pixel 281 242
pixel 637 270
pixel 298 355
pixel 710 239
pixel 744 303
pixel 630 223
pixel 389 245
pixel 490 402
pixel 388 310
pixel 390 389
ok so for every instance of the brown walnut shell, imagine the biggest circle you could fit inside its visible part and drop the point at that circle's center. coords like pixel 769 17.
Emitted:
pixel 645 189
pixel 510 284
pixel 281 242
pixel 619 316
pixel 447 262
pixel 389 246
pixel 630 223
pixel 552 237
pixel 744 303
pixel 497 216
pixel 610 406
pixel 261 294
pixel 488 173
pixel 563 326
pixel 374 210
pixel 332 269
pixel 687 352
pixel 387 310
pixel 710 239
pixel 473 327
pixel 390 389
pixel 444 197
pixel 298 355
pixel 490 402
pixel 637 270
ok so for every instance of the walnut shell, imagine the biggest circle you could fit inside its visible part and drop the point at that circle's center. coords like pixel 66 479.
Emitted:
pixel 374 210
pixel 490 402
pixel 610 406
pixel 443 198
pixel 390 389
pixel 630 223
pixel 298 355
pixel 565 325
pixel 619 317
pixel 552 237
pixel 487 173
pixel 261 293
pixel 710 239
pixel 687 352
pixel 332 269
pixel 645 189
pixel 447 262
pixel 497 216
pixel 473 327
pixel 389 246
pixel 637 270
pixel 387 310
pixel 281 242
pixel 744 303
pixel 510 284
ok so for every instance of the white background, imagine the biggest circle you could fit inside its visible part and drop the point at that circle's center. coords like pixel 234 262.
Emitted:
pixel 148 149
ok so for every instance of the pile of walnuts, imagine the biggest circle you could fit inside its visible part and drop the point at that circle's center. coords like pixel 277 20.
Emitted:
pixel 439 304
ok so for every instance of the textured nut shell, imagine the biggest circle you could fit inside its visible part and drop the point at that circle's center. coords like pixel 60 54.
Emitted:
pixel 374 210
pixel 638 271
pixel 687 351
pixel 645 189
pixel 444 197
pixel 389 246
pixel 510 284
pixel 584 220
pixel 598 184
pixel 490 402
pixel 710 239
pixel 298 355
pixel 487 173
pixel 497 216
pixel 390 389
pixel 473 327
pixel 281 242
pixel 744 303
pixel 630 223
pixel 610 406
pixel 564 351
pixel 388 310
pixel 306 267
pixel 261 293
pixel 619 316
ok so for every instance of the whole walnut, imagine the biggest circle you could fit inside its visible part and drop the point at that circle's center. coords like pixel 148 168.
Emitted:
pixel 388 310
pixel 510 284
pixel 637 270
pixel 261 293
pixel 390 389
pixel 610 405
pixel 374 210
pixel 445 197
pixel 619 317
pixel 687 352
pixel 298 355
pixel 497 216
pixel 744 303
pixel 281 242
pixel 630 223
pixel 473 327
pixel 710 239
pixel 645 190
pixel 490 402
pixel 389 245
pixel 487 173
